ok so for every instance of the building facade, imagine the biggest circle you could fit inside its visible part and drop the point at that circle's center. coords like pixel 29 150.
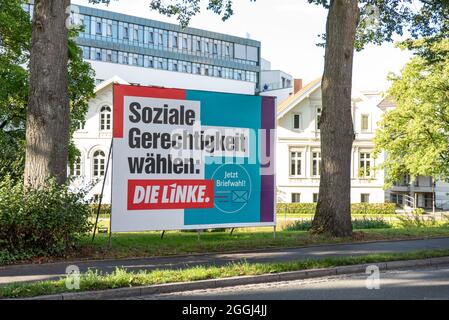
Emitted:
pixel 298 147
pixel 298 154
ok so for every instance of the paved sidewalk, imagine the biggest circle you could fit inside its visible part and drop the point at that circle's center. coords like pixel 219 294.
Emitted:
pixel 34 272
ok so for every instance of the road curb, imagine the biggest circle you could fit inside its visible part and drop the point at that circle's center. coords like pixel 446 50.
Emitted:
pixel 243 280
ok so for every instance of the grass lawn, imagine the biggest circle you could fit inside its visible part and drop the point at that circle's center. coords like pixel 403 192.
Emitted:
pixel 120 278
pixel 145 244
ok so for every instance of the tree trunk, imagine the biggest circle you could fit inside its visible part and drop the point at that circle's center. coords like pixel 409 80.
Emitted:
pixel 333 213
pixel 48 114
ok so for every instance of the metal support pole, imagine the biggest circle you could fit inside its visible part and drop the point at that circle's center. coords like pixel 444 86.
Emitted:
pixel 232 230
pixel 274 232
pixel 162 235
pixel 101 195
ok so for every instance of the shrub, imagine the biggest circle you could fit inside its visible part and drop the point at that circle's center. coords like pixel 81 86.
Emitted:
pixel 43 221
pixel 356 208
pixel 418 211
pixel 301 208
pixel 299 225
pixel 105 209
pixel 364 223
pixel 416 220
pixel 373 208
pixel 367 223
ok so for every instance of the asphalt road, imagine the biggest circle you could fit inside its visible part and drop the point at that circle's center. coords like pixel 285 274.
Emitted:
pixel 34 272
pixel 423 283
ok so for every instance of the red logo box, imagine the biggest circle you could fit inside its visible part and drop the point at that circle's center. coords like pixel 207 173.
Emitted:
pixel 170 194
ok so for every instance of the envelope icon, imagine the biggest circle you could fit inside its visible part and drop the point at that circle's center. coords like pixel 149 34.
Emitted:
pixel 239 196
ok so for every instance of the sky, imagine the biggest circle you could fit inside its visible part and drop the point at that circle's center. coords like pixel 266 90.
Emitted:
pixel 288 31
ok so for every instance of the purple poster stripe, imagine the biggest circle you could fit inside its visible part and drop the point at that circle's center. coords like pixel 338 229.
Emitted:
pixel 267 181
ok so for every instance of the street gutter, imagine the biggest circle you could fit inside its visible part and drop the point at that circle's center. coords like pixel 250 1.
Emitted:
pixel 243 280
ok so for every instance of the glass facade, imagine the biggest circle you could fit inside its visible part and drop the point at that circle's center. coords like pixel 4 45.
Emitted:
pixel 117 38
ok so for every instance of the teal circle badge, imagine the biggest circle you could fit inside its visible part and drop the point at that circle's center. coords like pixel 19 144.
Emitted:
pixel 232 188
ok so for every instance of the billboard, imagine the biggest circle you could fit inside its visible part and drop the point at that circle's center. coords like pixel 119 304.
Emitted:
pixel 188 159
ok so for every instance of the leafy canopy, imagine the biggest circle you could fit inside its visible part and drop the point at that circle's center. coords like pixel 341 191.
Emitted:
pixel 415 135
pixel 379 21
pixel 15 44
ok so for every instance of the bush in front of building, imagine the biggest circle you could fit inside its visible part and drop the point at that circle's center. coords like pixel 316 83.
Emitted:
pixel 105 210
pixel 40 222
pixel 296 207
pixel 364 223
pixel 356 208
pixel 373 208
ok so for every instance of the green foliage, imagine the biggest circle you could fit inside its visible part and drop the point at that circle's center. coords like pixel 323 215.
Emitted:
pixel 44 221
pixel 373 208
pixel 418 211
pixel 416 220
pixel 94 280
pixel 296 207
pixel 364 223
pixel 15 39
pixel 415 135
pixel 356 208
pixel 299 225
pixel 370 223
pixel 380 20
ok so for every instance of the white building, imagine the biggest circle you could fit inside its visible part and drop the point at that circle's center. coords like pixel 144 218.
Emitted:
pixel 277 83
pixel 298 154
pixel 298 147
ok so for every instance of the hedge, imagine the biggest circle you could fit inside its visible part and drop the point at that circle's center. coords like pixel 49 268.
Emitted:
pixel 356 208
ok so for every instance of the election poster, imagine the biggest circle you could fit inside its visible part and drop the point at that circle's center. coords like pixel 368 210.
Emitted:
pixel 188 159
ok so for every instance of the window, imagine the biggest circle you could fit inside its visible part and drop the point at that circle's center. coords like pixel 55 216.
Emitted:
pixel 206 47
pixel 297 121
pixel 75 171
pixel 81 125
pixel 296 197
pixel 125 33
pixel 364 198
pixel 98 28
pixel 365 123
pixel 206 71
pixel 315 197
pixel 318 118
pixel 295 163
pixel 98 55
pixel 227 51
pixel 105 118
pixel 175 41
pixel 175 67
pixel 316 162
pixel 151 37
pixel 98 164
pixel 161 39
pixel 184 43
pixel 136 34
pixel 198 45
pixel 109 30
pixel 215 48
pixel 365 165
